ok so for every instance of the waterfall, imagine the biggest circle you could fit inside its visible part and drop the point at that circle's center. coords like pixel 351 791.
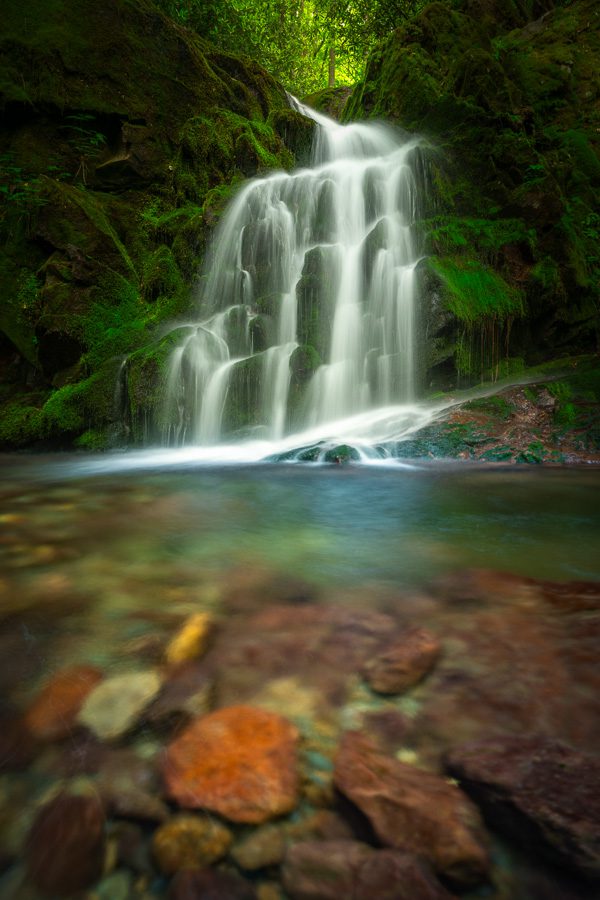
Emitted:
pixel 306 314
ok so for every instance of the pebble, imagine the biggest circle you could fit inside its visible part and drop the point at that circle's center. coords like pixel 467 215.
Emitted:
pixel 187 841
pixel 116 704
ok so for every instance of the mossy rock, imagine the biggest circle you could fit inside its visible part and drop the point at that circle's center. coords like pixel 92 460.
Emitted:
pixel 506 91
pixel 124 135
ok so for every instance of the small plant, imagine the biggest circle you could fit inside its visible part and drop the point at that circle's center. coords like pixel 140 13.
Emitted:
pixel 21 193
pixel 85 140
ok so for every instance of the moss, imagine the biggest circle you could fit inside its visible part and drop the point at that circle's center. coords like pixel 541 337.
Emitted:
pixel 475 292
pixel 21 424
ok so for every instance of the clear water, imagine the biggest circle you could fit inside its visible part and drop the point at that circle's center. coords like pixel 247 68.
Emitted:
pixel 102 557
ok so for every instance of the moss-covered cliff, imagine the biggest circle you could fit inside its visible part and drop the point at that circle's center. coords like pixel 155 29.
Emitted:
pixel 508 92
pixel 121 137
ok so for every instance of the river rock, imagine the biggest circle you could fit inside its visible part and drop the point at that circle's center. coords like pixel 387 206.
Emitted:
pixel 116 704
pixel 188 841
pixel 65 847
pixel 187 693
pixel 129 786
pixel 404 662
pixel 17 745
pixel 321 647
pixel 240 762
pixel 331 870
pixel 413 810
pixel 191 641
pixel 52 714
pixel 540 793
pixel 264 846
pixel 208 884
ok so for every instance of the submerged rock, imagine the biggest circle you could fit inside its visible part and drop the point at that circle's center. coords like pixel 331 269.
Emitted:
pixel 208 884
pixel 65 847
pixel 404 662
pixel 187 841
pixel 538 792
pixel 413 810
pixel 262 847
pixel 191 641
pixel 331 870
pixel 116 704
pixel 240 762
pixel 53 713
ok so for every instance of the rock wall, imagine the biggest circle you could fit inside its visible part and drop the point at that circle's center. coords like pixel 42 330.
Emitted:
pixel 122 136
pixel 508 92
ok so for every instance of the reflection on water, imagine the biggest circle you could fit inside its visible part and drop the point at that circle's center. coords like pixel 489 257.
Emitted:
pixel 101 570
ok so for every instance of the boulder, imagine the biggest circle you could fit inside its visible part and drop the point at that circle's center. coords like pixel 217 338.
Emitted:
pixel 329 870
pixel 240 762
pixel 65 847
pixel 539 792
pixel 403 662
pixel 413 810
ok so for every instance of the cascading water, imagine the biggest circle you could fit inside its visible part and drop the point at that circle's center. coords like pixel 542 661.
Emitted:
pixel 307 308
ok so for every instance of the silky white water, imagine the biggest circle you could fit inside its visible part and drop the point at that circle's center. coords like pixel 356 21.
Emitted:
pixel 307 308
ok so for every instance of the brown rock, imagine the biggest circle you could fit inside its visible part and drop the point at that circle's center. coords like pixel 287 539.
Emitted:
pixel 207 884
pixel 17 745
pixel 52 714
pixel 186 694
pixel 187 841
pixel 331 870
pixel 65 846
pixel 404 662
pixel 263 847
pixel 413 810
pixel 129 786
pixel 325 870
pixel 321 647
pixel 240 762
pixel 538 792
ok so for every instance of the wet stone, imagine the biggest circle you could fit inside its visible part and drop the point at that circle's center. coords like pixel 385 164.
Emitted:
pixel 17 745
pixel 65 846
pixel 330 870
pixel 208 884
pixel 191 641
pixel 188 841
pixel 53 713
pixel 403 662
pixel 116 704
pixel 240 762
pixel 538 792
pixel 188 692
pixel 413 810
pixel 129 787
pixel 320 647
pixel 264 846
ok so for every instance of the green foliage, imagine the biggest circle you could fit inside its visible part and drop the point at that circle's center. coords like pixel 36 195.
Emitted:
pixel 449 233
pixel 21 194
pixel 295 41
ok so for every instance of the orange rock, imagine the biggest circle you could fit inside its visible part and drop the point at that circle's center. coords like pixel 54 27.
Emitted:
pixel 240 762
pixel 52 714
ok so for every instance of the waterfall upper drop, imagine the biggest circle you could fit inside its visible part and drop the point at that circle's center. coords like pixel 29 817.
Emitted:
pixel 307 306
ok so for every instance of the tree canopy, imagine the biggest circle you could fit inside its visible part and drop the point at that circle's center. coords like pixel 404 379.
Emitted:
pixel 306 44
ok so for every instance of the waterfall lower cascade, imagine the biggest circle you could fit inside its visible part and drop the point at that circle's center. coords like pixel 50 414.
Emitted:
pixel 307 307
